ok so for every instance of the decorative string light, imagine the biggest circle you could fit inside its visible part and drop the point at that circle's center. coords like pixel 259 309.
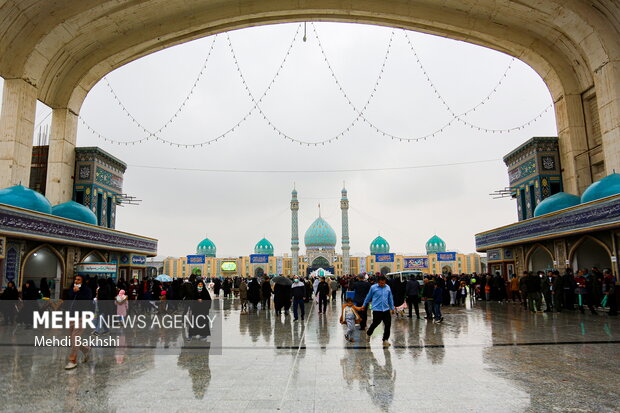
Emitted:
pixel 359 112
pixel 459 117
pixel 156 137
pixel 284 135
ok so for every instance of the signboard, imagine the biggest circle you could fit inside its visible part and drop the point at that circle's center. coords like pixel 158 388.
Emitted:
pixel 446 256
pixel 229 266
pixel 362 265
pixel 195 259
pixel 259 258
pixel 12 265
pixel 415 263
pixel 96 268
pixel 279 266
pixel 2 246
pixel 384 257
pixel 138 260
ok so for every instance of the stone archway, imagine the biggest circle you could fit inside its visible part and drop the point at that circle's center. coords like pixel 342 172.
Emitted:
pixel 42 262
pixel 320 262
pixel 93 256
pixel 590 252
pixel 539 258
pixel 573 46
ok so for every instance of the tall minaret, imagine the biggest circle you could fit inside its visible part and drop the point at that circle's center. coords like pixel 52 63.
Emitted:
pixel 294 233
pixel 344 206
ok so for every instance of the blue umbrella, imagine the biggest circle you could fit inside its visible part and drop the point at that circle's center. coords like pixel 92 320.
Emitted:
pixel 165 278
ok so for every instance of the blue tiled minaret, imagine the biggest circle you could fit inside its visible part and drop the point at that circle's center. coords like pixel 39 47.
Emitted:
pixel 344 206
pixel 294 234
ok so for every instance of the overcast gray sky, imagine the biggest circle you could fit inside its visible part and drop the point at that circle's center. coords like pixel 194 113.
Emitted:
pixel 237 209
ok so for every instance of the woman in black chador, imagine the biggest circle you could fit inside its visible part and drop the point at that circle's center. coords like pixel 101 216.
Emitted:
pixel 200 306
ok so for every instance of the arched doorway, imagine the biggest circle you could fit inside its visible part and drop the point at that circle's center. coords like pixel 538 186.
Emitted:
pixel 446 269
pixel 384 270
pixel 320 262
pixel 44 263
pixel 539 259
pixel 589 253
pixel 93 256
pixel 259 272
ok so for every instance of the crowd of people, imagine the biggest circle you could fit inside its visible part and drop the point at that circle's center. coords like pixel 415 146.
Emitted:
pixel 359 295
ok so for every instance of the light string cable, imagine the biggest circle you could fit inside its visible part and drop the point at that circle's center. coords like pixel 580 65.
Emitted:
pixel 459 117
pixel 178 111
pixel 402 138
pixel 211 140
pixel 324 141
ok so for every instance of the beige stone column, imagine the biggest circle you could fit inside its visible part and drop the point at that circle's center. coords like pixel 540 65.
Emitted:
pixel 607 81
pixel 61 160
pixel 576 174
pixel 19 102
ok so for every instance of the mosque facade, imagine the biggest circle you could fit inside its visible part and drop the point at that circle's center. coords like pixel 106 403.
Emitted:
pixel 555 229
pixel 320 242
pixel 40 240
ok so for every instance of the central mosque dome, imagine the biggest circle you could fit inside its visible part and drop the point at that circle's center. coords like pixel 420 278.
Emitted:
pixel 320 234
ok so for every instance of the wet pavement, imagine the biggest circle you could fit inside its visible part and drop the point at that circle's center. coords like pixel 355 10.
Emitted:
pixel 490 358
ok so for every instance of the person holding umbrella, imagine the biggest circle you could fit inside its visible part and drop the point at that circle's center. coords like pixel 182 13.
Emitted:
pixel 281 294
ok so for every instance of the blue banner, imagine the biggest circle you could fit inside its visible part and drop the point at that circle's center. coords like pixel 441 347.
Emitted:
pixel 446 256
pixel 259 258
pixel 138 260
pixel 195 259
pixel 415 263
pixel 384 257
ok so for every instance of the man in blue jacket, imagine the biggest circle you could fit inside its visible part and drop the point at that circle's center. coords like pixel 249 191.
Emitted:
pixel 382 300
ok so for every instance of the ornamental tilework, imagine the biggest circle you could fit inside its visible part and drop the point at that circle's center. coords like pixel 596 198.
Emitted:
pixel 524 170
pixel 27 223
pixel 578 219
pixel 107 178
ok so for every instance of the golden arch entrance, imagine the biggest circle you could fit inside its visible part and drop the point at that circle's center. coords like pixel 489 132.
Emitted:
pixel 57 51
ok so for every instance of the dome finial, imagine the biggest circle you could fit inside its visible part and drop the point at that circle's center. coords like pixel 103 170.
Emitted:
pixel 319 210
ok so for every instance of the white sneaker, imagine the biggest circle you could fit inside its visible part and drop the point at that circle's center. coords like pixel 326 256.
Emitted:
pixel 386 343
pixel 70 365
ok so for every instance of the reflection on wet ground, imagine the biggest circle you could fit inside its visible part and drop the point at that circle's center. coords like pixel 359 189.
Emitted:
pixel 492 358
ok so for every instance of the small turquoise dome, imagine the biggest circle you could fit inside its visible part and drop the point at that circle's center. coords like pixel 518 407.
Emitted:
pixel 22 197
pixel 435 245
pixel 77 212
pixel 206 247
pixel 320 234
pixel 379 246
pixel 608 186
pixel 556 202
pixel 264 247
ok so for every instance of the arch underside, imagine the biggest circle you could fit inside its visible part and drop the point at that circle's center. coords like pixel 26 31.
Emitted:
pixel 65 47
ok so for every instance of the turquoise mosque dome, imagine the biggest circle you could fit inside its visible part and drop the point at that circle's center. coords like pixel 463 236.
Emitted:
pixel 320 234
pixel 379 246
pixel 556 202
pixel 435 245
pixel 264 247
pixel 22 197
pixel 206 247
pixel 77 212
pixel 608 186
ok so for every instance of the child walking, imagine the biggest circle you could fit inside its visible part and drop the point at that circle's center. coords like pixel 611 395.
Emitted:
pixel 350 317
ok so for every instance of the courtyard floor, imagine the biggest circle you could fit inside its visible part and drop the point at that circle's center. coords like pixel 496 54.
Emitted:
pixel 490 358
